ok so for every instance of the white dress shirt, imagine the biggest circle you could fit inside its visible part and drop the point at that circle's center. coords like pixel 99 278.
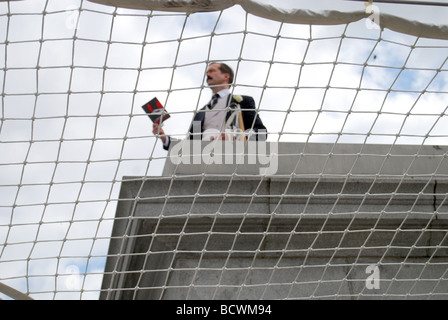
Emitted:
pixel 215 118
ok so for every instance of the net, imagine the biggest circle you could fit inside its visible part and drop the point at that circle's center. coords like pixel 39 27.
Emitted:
pixel 73 134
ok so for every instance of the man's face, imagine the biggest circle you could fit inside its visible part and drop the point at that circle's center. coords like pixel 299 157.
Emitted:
pixel 215 76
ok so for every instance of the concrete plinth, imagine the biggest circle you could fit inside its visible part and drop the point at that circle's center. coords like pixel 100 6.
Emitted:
pixel 364 222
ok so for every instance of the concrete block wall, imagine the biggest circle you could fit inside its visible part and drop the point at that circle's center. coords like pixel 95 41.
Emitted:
pixel 220 235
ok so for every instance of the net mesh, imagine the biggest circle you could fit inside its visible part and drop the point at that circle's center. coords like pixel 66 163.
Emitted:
pixel 72 86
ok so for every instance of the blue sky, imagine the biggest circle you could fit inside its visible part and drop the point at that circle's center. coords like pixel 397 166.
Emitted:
pixel 62 156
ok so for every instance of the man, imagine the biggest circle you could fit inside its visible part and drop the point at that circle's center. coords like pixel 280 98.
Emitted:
pixel 216 115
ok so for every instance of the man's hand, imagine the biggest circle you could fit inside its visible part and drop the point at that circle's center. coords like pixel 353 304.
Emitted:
pixel 158 131
pixel 222 136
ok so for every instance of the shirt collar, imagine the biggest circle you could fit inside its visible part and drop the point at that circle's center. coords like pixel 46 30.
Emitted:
pixel 223 93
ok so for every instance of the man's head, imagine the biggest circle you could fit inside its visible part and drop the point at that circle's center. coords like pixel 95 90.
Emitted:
pixel 219 76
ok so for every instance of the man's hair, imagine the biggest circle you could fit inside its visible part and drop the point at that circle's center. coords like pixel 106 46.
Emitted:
pixel 224 68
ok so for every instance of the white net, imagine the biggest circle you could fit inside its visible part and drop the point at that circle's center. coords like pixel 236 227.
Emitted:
pixel 73 77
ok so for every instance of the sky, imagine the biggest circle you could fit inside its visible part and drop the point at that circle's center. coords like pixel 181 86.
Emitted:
pixel 72 125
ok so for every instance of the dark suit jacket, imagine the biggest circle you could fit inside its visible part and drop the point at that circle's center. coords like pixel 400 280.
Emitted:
pixel 251 119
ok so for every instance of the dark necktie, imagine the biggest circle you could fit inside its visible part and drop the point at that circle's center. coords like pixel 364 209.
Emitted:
pixel 214 101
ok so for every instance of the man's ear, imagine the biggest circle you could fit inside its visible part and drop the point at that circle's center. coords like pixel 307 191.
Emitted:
pixel 227 77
